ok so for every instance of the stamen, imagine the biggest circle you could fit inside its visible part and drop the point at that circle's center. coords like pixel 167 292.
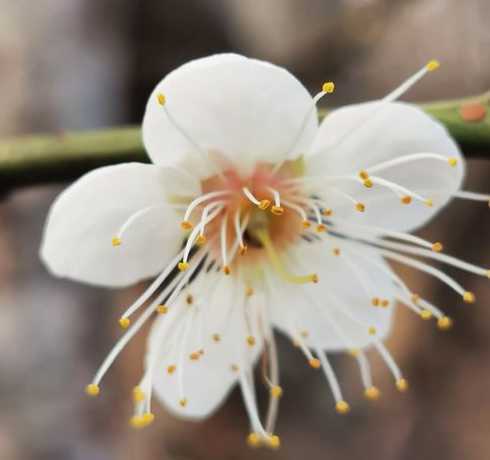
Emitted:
pixel 251 407
pixel 400 191
pixel 311 205
pixel 341 406
pixel 401 383
pixel 224 255
pixel 196 202
pixel 263 236
pixel 299 210
pixel 262 204
pixel 465 195
pixel 452 161
pixel 181 359
pixel 239 233
pixel 276 209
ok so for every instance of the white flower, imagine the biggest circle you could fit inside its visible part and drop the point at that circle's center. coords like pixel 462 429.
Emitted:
pixel 296 213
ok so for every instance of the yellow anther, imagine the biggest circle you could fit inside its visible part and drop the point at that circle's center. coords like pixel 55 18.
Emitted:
pixel 183 266
pixel 183 402
pixel 428 202
pixel 148 418
pixel 194 356
pixel 402 385
pixel 363 175
pixel 277 210
pixel 375 301
pixel 437 247
pixel 234 368
pixel 216 337
pixel 327 212
pixel 249 291
pixel 243 249
pixel 186 225
pixel 415 298
pixel 201 240
pixel 452 161
pixel 124 322
pixel 314 278
pixel 189 299
pixel 426 314
pixel 276 391
pixel 372 393
pixel 360 207
pixel 385 303
pixel 321 228
pixel 306 224
pixel 138 395
pixel 273 441
pixel 336 251
pixel 368 183
pixel 342 407
pixel 92 389
pixel 406 199
pixel 251 340
pixel 444 323
pixel 264 204
pixel 162 310
pixel 161 98
pixel 354 352
pixel 137 421
pixel 116 241
pixel 469 297
pixel 226 270
pixel 171 369
pixel 372 330
pixel 314 363
pixel 432 65
pixel 253 440
pixel 328 87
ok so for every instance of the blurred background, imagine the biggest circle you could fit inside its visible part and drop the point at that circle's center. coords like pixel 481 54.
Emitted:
pixel 80 64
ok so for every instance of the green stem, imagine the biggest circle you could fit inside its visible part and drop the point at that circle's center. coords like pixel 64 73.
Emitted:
pixel 51 158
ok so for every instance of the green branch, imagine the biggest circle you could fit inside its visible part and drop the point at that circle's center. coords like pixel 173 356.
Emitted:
pixel 42 159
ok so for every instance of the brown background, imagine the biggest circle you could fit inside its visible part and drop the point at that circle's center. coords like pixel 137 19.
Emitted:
pixel 78 64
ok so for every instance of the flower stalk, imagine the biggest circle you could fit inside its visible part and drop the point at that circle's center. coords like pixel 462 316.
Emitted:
pixel 50 158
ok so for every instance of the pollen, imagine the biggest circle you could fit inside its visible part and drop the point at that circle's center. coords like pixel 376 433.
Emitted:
pixel 186 225
pixel 336 251
pixel 148 418
pixel 226 270
pixel 162 309
pixel 277 210
pixel 194 356
pixel 375 301
pixel 116 241
pixel 92 389
pixel 354 352
pixel 249 291
pixel 234 368
pixel 124 322
pixel 368 183
pixel 321 228
pixel 189 299
pixel 314 278
pixel 469 297
pixel 360 207
pixel 328 87
pixel 363 175
pixel 444 323
pixel 276 391
pixel 216 338
pixel 432 65
pixel 171 369
pixel 306 224
pixel 428 202
pixel 452 161
pixel 372 330
pixel 437 247
pixel 251 340
pixel 406 199
pixel 372 393
pixel 264 204
pixel 385 303
pixel 274 442
pixel 314 363
pixel 201 240
pixel 138 395
pixel 327 212
pixel 183 266
pixel 426 314
pixel 342 407
pixel 161 98
pixel 253 440
pixel 183 402
pixel 137 421
pixel 243 249
pixel 402 385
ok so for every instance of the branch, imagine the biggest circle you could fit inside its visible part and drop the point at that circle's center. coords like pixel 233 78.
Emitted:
pixel 43 159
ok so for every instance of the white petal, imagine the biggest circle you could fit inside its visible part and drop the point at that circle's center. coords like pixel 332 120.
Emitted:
pixel 207 381
pixel 246 109
pixel 395 130
pixel 88 214
pixel 336 312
